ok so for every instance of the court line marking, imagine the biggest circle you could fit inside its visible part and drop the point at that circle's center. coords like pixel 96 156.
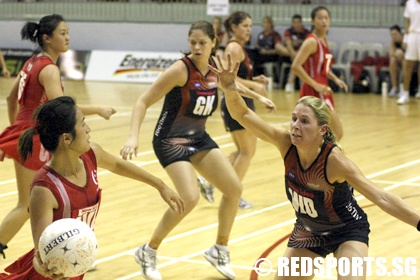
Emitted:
pixel 242 238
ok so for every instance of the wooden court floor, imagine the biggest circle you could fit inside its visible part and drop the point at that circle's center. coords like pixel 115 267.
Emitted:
pixel 382 138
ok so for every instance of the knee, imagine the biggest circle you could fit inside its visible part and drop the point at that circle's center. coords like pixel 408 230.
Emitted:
pixel 248 152
pixel 234 191
pixel 190 201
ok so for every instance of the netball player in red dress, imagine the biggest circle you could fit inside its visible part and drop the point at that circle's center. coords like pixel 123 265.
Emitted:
pixel 38 82
pixel 67 186
pixel 312 65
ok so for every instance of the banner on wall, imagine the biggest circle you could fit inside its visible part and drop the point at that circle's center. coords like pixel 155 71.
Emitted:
pixel 73 64
pixel 218 7
pixel 15 58
pixel 126 66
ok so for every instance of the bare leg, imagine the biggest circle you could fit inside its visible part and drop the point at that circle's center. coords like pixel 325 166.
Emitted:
pixel 294 252
pixel 223 176
pixel 408 66
pixel 350 249
pixel 246 143
pixel 17 217
pixel 184 178
pixel 407 72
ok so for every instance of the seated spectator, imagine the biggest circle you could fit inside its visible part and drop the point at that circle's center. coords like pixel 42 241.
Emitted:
pixel 396 57
pixel 217 25
pixel 269 45
pixel 293 39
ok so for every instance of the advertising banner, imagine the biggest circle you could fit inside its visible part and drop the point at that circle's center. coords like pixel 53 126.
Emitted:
pixel 15 58
pixel 126 66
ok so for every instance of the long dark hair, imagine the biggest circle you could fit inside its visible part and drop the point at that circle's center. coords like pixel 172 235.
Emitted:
pixel 235 18
pixel 315 11
pixel 33 31
pixel 52 119
pixel 207 28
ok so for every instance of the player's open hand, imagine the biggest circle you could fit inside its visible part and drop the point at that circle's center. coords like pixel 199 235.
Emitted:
pixel 129 149
pixel 227 75
pixel 44 269
pixel 172 199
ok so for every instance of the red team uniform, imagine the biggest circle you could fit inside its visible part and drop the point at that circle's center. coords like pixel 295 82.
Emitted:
pixel 76 202
pixel 317 66
pixel 31 95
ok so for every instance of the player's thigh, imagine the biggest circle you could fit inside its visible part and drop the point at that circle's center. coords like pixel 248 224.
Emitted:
pixel 284 270
pixel 216 168
pixel 184 178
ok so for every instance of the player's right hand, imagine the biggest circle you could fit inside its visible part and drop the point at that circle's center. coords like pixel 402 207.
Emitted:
pixel 43 269
pixel 129 149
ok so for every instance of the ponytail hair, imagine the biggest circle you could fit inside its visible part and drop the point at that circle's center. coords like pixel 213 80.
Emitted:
pixel 33 31
pixel 26 143
pixel 52 119
pixel 235 18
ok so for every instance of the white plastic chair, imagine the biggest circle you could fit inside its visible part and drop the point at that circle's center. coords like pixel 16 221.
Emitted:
pixel 348 52
pixel 373 50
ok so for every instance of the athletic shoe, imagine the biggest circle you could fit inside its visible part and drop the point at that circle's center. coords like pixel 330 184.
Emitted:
pixel 206 189
pixel 417 94
pixel 403 99
pixel 393 92
pixel 243 204
pixel 289 87
pixel 147 262
pixel 220 260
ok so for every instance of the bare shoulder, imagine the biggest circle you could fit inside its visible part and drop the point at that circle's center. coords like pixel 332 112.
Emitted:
pixel 339 166
pixel 176 74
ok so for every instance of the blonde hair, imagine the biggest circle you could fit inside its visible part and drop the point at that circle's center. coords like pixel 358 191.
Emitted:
pixel 322 114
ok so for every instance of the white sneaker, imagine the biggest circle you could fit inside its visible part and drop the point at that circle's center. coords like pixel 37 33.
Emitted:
pixel 403 99
pixel 417 94
pixel 220 261
pixel 393 92
pixel 206 189
pixel 147 262
pixel 243 204
pixel 289 87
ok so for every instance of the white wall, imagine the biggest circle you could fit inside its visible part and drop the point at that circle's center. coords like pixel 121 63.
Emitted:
pixel 157 37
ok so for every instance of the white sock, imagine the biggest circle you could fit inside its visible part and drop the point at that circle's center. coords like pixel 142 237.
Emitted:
pixel 221 247
pixel 404 93
pixel 149 249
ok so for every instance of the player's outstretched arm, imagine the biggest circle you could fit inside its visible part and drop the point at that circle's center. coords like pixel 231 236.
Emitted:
pixel 127 169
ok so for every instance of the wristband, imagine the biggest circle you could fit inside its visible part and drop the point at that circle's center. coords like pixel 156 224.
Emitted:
pixel 418 226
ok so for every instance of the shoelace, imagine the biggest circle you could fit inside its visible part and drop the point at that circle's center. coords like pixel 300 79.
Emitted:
pixel 223 257
pixel 148 260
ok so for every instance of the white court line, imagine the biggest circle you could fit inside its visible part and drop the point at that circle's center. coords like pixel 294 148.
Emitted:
pixel 239 239
pixel 137 163
pixel 247 236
